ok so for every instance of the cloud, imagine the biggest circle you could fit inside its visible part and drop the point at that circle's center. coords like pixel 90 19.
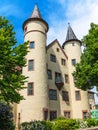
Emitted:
pixel 79 13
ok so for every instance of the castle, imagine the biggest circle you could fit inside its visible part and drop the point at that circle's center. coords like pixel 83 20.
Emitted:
pixel 50 91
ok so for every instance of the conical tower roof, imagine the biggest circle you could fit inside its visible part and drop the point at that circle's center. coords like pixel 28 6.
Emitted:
pixel 36 13
pixel 35 16
pixel 70 36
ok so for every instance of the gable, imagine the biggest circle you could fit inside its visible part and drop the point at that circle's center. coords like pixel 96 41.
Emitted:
pixel 55 48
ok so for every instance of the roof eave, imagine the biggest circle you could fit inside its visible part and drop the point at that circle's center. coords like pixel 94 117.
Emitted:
pixel 35 19
pixel 70 41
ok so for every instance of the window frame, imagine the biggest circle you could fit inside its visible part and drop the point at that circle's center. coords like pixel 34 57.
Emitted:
pixel 30 89
pixel 52 58
pixel 52 112
pixel 77 99
pixel 57 49
pixel 66 78
pixel 65 96
pixel 29 66
pixel 63 61
pixel 30 46
pixel 45 117
pixel 68 112
pixel 73 62
pixel 49 75
pixel 53 96
pixel 57 74
pixel 85 111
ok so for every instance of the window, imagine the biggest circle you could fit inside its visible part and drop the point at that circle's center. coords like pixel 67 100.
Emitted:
pixel 63 61
pixel 30 88
pixel 57 49
pixel 73 44
pixel 91 95
pixel 49 74
pixel 53 115
pixel 31 45
pixel 66 78
pixel 67 114
pixel 45 112
pixel 65 96
pixel 52 94
pixel 52 58
pixel 73 61
pixel 25 29
pixel 58 77
pixel 77 94
pixel 90 105
pixel 85 114
pixel 31 65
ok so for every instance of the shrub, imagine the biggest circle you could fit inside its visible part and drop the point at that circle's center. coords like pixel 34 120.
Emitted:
pixel 82 123
pixel 6 117
pixel 32 125
pixel 48 125
pixel 25 126
pixel 67 124
pixel 92 122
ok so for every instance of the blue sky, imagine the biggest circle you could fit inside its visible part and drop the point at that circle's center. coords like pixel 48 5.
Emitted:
pixel 57 13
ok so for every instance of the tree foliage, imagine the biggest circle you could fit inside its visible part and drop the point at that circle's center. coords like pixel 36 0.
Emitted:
pixel 6 117
pixel 12 59
pixel 86 74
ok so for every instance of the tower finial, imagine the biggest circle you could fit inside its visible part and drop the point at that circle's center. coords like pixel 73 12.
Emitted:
pixel 68 23
pixel 36 13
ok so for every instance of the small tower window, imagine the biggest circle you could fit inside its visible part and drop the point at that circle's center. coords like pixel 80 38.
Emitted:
pixel 31 65
pixel 30 88
pixel 31 45
pixel 73 44
pixel 73 61
pixel 25 29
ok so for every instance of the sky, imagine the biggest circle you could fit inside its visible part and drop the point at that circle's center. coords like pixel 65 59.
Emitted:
pixel 57 13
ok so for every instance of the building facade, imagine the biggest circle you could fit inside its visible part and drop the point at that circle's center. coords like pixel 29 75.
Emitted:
pixel 50 91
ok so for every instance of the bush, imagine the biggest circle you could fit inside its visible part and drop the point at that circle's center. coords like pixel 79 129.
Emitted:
pixel 33 125
pixel 92 122
pixel 48 125
pixel 6 117
pixel 66 124
pixel 60 123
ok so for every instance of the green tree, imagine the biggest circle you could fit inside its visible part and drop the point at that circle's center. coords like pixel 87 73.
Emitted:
pixel 6 117
pixel 86 74
pixel 12 59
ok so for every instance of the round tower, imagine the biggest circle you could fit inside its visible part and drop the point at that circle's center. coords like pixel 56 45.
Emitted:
pixel 35 105
pixel 79 98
